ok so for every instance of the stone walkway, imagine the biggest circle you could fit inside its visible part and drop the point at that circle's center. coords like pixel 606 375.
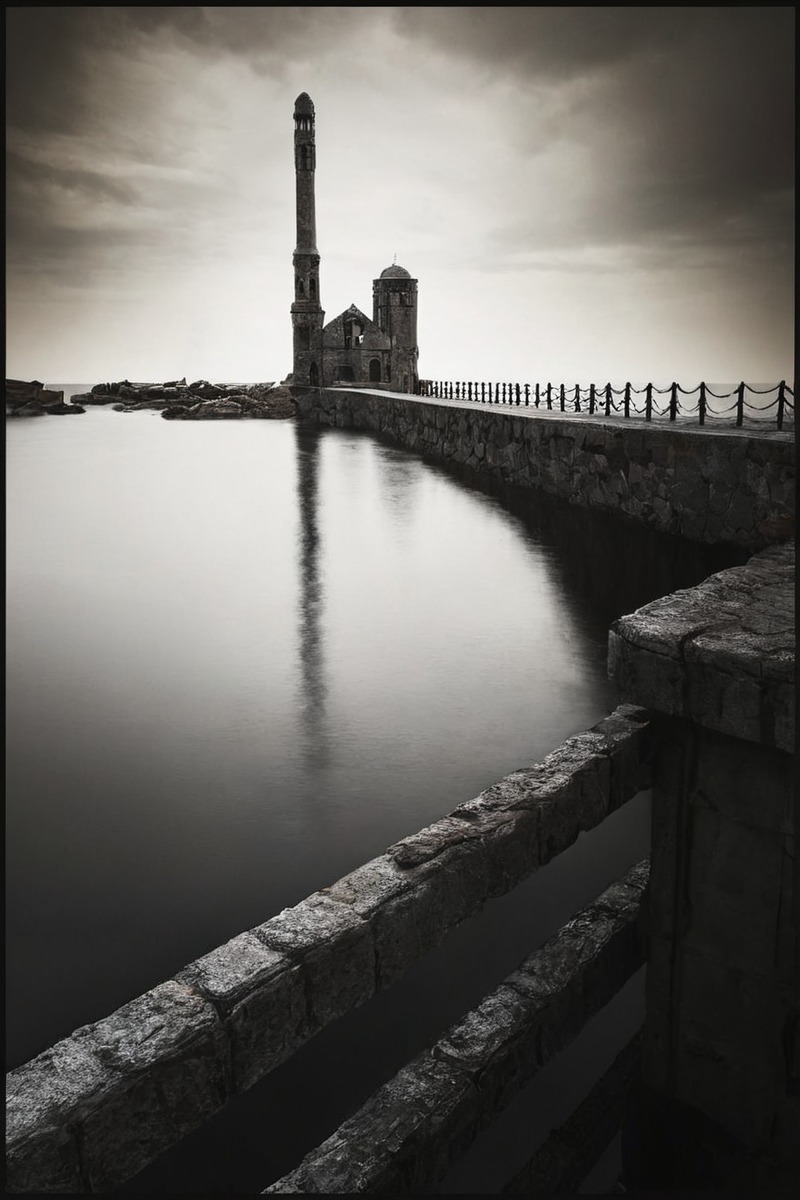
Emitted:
pixel 753 426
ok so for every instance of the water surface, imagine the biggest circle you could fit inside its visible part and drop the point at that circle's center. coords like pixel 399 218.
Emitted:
pixel 243 658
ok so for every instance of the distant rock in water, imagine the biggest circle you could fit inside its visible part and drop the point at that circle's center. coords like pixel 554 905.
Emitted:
pixel 177 400
pixel 33 399
pixel 204 401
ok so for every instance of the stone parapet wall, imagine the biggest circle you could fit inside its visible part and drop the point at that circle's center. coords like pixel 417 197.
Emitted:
pixel 403 1140
pixel 721 654
pixel 721 1042
pixel 97 1107
pixel 707 485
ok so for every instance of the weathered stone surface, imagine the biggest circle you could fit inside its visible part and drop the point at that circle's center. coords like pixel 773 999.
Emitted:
pixel 722 967
pixel 167 1053
pixel 260 995
pixel 370 886
pixel 42 1100
pixel 720 654
pixel 405 1137
pixel 406 1134
pixel 629 745
pixel 510 840
pixel 215 410
pixel 206 391
pixel 100 1105
pixel 335 949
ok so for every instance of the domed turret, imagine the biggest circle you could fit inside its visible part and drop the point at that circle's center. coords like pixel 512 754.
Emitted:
pixel 394 307
pixel 304 103
pixel 395 272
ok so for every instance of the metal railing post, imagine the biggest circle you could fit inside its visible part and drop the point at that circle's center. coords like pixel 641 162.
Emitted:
pixel 781 402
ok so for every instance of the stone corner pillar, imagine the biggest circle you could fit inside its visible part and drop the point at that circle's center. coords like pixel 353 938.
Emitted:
pixel 714 664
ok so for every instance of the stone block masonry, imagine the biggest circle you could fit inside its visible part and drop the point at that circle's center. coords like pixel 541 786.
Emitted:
pixel 712 485
pixel 720 654
pixel 100 1105
pixel 402 1141
pixel 721 1044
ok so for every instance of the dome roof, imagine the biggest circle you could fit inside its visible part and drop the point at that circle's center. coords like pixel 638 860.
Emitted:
pixel 304 103
pixel 395 272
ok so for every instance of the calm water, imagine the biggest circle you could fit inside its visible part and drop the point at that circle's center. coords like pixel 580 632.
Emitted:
pixel 243 658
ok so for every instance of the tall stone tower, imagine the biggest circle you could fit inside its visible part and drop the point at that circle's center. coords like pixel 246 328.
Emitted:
pixel 394 311
pixel 307 314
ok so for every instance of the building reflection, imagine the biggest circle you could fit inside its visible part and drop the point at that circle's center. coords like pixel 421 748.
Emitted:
pixel 310 634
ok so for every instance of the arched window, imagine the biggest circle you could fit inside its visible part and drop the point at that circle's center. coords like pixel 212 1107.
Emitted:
pixel 300 288
pixel 313 375
pixel 374 370
pixel 313 288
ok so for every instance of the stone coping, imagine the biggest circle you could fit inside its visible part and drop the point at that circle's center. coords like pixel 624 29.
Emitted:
pixel 720 654
pixel 404 1138
pixel 753 428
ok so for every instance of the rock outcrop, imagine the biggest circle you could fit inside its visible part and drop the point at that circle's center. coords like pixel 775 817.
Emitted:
pixel 176 400
pixel 33 399
pixel 197 401
pixel 204 401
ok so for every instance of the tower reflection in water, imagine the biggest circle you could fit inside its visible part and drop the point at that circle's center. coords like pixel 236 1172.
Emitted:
pixel 310 614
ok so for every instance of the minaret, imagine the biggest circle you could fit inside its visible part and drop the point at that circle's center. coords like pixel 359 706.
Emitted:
pixel 307 315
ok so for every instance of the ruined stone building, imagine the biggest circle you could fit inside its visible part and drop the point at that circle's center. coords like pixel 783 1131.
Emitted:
pixel 351 348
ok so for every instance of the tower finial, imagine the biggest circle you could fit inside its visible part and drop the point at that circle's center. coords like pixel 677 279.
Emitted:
pixel 394 260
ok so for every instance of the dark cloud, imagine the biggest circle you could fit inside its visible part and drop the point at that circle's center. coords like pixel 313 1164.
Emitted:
pixel 541 43
pixel 54 56
pixel 44 63
pixel 561 43
pixel 91 186
pixel 73 221
pixel 683 117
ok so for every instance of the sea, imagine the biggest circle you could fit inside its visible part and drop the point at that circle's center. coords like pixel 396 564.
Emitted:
pixel 243 658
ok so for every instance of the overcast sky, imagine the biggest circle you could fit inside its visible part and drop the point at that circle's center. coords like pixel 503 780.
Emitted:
pixel 583 193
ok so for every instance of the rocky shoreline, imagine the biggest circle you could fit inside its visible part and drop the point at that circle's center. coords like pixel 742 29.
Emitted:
pixel 177 400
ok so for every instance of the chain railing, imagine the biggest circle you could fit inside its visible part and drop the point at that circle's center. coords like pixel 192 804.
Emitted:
pixel 605 400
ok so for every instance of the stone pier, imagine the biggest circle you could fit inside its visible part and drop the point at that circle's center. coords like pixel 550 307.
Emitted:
pixel 709 484
pixel 714 666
